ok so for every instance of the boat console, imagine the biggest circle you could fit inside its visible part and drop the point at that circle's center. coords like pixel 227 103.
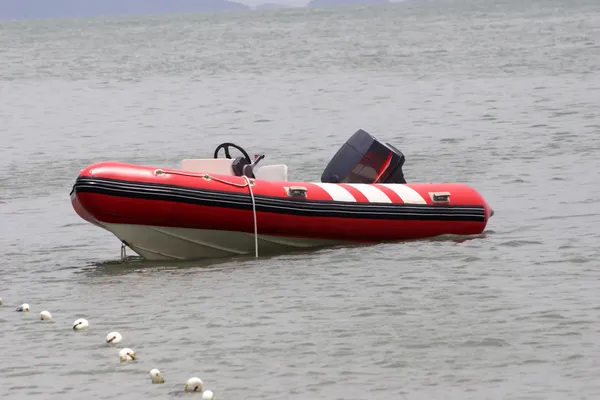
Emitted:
pixel 237 166
pixel 364 159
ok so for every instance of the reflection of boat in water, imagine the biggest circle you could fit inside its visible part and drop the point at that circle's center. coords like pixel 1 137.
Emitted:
pixel 223 206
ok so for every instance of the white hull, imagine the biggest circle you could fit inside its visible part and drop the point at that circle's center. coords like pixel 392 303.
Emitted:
pixel 167 243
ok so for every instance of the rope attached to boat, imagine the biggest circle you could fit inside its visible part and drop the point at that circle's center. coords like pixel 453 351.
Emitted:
pixel 123 252
pixel 209 177
pixel 254 214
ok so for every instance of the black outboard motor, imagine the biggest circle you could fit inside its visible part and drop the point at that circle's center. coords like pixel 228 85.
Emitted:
pixel 363 159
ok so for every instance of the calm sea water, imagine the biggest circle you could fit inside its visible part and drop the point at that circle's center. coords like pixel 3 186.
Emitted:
pixel 500 95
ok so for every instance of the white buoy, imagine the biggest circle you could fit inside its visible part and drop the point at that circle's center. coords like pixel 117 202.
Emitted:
pixel 23 308
pixel 127 354
pixel 45 316
pixel 0 301
pixel 208 395
pixel 80 324
pixel 114 337
pixel 194 384
pixel 156 376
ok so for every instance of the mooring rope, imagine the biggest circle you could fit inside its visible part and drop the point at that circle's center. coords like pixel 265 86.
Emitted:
pixel 209 177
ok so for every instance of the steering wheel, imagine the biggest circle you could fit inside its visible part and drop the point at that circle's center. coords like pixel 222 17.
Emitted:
pixel 226 146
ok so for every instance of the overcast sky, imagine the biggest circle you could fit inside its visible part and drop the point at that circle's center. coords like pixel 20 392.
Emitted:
pixel 288 2
pixel 256 2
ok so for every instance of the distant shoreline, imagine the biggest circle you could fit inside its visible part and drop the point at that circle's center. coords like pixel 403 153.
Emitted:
pixel 19 10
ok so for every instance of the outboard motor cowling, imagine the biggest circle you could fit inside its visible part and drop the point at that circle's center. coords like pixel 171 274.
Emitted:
pixel 363 159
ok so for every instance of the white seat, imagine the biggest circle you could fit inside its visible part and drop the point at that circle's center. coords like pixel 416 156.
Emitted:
pixel 211 165
pixel 276 172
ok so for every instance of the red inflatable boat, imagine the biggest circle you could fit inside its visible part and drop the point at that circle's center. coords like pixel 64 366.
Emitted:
pixel 223 206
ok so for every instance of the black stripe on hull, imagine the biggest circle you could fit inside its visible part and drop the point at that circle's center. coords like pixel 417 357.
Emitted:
pixel 300 207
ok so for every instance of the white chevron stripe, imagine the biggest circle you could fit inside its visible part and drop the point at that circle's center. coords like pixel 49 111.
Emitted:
pixel 337 192
pixel 372 193
pixel 406 193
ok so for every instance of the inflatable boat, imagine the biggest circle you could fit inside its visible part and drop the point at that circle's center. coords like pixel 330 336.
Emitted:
pixel 225 206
